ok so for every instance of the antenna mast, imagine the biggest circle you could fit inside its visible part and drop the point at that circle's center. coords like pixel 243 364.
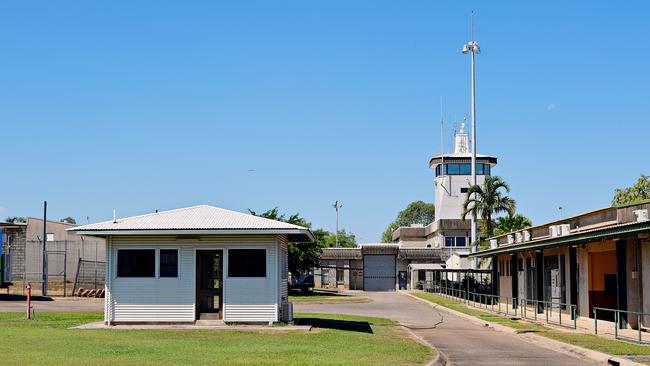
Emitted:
pixel 442 139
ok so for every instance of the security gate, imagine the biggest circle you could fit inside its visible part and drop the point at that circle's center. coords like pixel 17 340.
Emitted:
pixel 378 272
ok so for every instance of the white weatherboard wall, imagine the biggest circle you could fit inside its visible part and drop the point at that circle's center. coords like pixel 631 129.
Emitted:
pixel 173 299
pixel 252 299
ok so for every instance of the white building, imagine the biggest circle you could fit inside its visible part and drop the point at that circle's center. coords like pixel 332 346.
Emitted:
pixel 196 263
pixel 453 177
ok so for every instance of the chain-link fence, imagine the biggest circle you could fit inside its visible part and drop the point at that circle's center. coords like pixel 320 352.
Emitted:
pixel 89 275
pixel 62 259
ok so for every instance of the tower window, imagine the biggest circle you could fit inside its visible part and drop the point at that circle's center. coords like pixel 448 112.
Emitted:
pixel 453 169
pixel 462 169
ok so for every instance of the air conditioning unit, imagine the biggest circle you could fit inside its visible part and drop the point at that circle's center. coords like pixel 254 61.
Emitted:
pixel 511 239
pixel 526 235
pixel 554 231
pixel 494 243
pixel 641 215
pixel 519 237
pixel 565 229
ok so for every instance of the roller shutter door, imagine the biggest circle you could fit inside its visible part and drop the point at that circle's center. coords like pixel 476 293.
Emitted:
pixel 378 272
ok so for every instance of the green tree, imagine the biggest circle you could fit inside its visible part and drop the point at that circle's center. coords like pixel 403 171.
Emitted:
pixel 68 220
pixel 487 200
pixel 16 220
pixel 639 192
pixel 274 214
pixel 305 256
pixel 346 239
pixel 510 223
pixel 418 212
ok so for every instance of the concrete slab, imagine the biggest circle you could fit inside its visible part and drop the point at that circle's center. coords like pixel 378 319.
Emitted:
pixel 239 327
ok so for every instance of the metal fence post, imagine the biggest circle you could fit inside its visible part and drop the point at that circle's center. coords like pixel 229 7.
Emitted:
pixel 546 311
pixel 575 318
pixel 65 267
pixel 595 321
pixel 638 324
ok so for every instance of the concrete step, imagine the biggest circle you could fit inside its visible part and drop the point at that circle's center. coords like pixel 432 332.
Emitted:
pixel 209 323
pixel 209 316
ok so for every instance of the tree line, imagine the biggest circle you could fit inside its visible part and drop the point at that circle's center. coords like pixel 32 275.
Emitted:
pixel 490 200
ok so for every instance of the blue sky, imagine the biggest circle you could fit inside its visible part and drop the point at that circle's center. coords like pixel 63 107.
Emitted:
pixel 145 105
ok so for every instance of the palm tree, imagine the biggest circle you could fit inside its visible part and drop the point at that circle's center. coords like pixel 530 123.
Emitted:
pixel 486 200
pixel 511 223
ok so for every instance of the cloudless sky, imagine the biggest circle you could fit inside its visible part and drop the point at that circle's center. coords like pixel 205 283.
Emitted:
pixel 144 105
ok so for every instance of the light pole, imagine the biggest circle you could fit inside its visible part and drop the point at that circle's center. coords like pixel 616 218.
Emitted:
pixel 336 206
pixel 473 49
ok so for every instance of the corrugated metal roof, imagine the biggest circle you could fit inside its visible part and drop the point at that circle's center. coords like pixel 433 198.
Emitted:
pixel 420 253
pixel 202 217
pixel 341 253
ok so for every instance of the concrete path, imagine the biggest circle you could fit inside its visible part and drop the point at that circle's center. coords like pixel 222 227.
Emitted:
pixel 56 305
pixel 460 341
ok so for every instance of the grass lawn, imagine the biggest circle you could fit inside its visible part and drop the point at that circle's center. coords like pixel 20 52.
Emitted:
pixel 325 297
pixel 590 341
pixel 485 315
pixel 47 341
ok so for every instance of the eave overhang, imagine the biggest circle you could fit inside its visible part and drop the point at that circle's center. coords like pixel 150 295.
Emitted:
pixel 294 235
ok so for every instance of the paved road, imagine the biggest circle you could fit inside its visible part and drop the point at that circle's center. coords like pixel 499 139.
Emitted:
pixel 57 304
pixel 461 341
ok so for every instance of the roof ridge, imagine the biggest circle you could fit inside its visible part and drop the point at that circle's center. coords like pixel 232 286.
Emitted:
pixel 249 214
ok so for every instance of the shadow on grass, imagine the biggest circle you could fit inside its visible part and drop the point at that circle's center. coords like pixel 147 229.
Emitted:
pixel 347 325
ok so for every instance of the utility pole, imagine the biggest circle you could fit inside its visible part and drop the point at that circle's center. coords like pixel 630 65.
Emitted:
pixel 473 49
pixel 336 206
pixel 44 284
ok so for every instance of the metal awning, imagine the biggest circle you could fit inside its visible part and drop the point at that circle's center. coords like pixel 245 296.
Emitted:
pixel 426 266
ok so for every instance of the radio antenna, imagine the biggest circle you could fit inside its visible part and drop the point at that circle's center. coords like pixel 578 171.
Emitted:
pixel 442 138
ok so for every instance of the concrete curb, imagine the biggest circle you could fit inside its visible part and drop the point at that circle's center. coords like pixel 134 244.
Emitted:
pixel 438 359
pixel 538 340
